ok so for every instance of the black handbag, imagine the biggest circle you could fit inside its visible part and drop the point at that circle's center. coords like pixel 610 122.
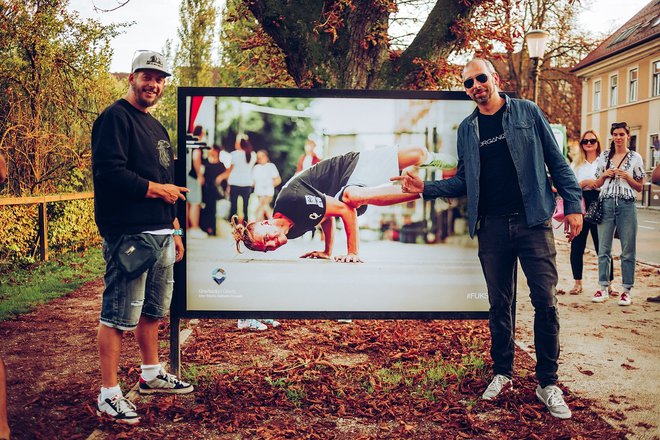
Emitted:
pixel 136 253
pixel 594 213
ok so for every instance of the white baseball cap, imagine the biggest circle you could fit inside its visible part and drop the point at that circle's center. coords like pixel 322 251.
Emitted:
pixel 150 60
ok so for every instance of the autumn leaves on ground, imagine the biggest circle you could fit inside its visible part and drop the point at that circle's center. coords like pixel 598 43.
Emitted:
pixel 306 379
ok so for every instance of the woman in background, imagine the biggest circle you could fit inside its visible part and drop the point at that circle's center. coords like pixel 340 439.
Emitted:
pixel 584 168
pixel 620 175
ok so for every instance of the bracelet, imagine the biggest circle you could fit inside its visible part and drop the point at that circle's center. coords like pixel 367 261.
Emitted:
pixel 178 232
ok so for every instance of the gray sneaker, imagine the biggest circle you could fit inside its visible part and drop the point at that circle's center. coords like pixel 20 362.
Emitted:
pixel 119 408
pixel 165 383
pixel 551 396
pixel 495 387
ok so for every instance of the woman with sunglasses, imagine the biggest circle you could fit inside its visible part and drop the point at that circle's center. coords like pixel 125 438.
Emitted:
pixel 620 174
pixel 584 167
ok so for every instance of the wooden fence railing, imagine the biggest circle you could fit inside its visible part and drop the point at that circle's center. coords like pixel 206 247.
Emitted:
pixel 43 217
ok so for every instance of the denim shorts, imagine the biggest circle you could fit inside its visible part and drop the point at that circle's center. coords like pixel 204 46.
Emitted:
pixel 150 294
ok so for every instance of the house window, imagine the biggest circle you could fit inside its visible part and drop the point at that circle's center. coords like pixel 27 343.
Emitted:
pixel 614 90
pixel 655 91
pixel 655 149
pixel 597 95
pixel 632 146
pixel 632 85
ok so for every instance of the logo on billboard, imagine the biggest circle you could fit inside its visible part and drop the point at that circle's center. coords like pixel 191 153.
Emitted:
pixel 477 295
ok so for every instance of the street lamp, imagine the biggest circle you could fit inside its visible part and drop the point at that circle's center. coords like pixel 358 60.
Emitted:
pixel 536 40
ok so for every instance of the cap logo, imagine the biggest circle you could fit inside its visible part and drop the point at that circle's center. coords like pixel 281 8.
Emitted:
pixel 155 60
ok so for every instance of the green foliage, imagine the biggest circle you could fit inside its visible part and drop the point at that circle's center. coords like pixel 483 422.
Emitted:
pixel 196 32
pixel 249 57
pixel 71 227
pixel 18 242
pixel 21 290
pixel 54 80
pixel 195 374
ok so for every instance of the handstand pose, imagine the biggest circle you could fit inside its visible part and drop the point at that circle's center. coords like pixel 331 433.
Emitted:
pixel 340 186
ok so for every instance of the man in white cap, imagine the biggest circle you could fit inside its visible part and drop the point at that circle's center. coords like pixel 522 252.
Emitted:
pixel 133 172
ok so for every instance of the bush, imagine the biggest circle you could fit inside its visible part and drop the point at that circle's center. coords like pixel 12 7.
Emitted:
pixel 71 227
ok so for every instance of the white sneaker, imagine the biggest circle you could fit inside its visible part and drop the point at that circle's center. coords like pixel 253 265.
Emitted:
pixel 551 396
pixel 600 296
pixel 495 387
pixel 119 408
pixel 625 299
pixel 271 322
pixel 251 324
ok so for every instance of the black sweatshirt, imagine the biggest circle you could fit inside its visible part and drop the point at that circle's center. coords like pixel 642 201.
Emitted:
pixel 129 149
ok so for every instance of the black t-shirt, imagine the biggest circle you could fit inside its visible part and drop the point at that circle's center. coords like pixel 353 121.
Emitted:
pixel 499 191
pixel 302 199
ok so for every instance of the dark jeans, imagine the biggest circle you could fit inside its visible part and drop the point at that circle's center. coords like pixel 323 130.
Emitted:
pixel 244 192
pixel 502 240
pixel 579 243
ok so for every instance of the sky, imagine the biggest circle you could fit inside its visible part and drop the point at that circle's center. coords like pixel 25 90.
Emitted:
pixel 156 21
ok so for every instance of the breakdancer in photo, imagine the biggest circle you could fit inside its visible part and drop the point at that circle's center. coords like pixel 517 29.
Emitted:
pixel 341 186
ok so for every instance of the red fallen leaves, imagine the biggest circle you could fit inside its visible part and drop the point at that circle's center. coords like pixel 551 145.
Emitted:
pixel 585 372
pixel 629 367
pixel 396 380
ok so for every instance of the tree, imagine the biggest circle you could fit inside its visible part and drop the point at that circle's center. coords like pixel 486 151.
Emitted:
pixel 192 60
pixel 354 44
pixel 346 44
pixel 196 33
pixel 54 81
pixel 559 90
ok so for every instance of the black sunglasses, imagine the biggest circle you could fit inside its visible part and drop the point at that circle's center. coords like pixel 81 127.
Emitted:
pixel 588 141
pixel 482 78
pixel 619 125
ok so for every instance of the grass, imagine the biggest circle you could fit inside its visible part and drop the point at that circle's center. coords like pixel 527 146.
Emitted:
pixel 22 290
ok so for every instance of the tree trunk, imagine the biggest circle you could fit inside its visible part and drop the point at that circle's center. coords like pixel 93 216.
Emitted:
pixel 344 44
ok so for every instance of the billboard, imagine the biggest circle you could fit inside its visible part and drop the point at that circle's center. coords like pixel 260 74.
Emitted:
pixel 405 270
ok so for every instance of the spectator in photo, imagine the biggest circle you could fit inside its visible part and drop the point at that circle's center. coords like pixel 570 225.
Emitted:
pixel 266 179
pixel 240 176
pixel 308 158
pixel 195 182
pixel 214 189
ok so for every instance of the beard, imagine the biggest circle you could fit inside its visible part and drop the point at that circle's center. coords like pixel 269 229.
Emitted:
pixel 483 98
pixel 141 100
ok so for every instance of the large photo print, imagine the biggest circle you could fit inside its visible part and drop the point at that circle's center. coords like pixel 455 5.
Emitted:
pixel 291 211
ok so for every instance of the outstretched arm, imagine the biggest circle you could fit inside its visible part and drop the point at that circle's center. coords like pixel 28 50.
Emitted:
pixel 336 208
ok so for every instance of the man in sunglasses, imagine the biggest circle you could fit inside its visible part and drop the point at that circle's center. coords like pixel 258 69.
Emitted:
pixel 504 147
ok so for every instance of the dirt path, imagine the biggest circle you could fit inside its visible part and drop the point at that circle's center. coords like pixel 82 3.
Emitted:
pixel 609 353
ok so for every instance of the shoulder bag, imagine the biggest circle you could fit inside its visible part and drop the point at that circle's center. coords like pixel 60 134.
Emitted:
pixel 135 254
